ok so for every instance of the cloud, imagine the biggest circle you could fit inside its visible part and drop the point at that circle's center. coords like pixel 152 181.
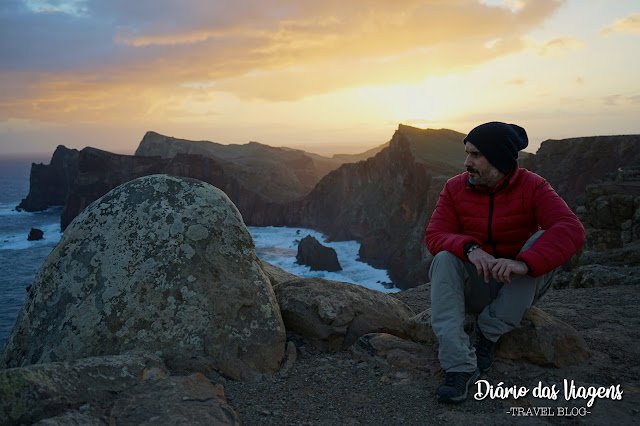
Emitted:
pixel 617 99
pixel 628 25
pixel 516 82
pixel 124 59
pixel 558 46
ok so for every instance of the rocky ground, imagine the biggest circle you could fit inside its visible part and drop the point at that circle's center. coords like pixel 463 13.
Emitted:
pixel 349 388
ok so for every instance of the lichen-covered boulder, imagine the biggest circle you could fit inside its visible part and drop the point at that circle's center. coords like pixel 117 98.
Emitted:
pixel 332 315
pixel 130 389
pixel 159 264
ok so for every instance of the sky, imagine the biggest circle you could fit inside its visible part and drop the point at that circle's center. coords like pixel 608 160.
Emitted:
pixel 330 76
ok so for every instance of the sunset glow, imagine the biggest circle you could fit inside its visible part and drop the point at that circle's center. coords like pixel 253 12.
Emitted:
pixel 324 76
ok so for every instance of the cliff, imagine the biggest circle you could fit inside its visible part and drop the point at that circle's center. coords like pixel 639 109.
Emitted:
pixel 385 202
pixel 100 171
pixel 49 184
pixel 569 165
pixel 281 174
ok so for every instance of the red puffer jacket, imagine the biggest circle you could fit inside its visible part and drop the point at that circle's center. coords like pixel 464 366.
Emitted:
pixel 502 220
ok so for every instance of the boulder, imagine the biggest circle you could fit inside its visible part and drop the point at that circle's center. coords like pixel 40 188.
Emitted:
pixel 590 276
pixel 543 340
pixel 332 315
pixel 318 257
pixel 122 389
pixel 35 234
pixel 29 394
pixel 540 339
pixel 277 275
pixel 159 264
pixel 397 352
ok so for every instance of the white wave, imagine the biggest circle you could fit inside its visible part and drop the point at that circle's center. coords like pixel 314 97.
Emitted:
pixel 279 246
pixel 19 241
pixel 9 209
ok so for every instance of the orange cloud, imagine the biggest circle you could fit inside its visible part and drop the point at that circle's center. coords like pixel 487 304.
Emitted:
pixel 558 46
pixel 628 25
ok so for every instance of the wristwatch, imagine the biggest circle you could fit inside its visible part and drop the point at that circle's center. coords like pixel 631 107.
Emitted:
pixel 469 247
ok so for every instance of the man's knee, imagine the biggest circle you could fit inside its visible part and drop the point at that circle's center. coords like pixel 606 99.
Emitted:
pixel 443 260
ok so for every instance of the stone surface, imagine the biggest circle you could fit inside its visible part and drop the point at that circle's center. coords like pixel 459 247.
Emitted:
pixel 543 340
pixel 316 256
pixel 33 393
pixel 398 352
pixel 570 165
pixel 277 275
pixel 190 400
pixel 160 264
pixel 332 315
pixel 589 276
pixel 121 389
pixel 611 211
pixel 35 234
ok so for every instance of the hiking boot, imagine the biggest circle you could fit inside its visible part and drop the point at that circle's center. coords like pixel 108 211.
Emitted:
pixel 484 350
pixel 455 386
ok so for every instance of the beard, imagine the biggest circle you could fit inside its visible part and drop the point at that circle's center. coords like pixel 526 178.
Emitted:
pixel 488 178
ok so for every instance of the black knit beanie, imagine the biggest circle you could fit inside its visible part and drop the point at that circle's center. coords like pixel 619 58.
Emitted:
pixel 499 143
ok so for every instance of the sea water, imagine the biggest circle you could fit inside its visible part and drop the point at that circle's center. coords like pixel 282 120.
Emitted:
pixel 20 259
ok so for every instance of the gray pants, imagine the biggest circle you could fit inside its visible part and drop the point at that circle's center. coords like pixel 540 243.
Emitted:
pixel 456 288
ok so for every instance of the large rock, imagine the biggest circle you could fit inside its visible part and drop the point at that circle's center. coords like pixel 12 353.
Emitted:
pixel 316 256
pixel 120 389
pixel 35 234
pixel 332 315
pixel 398 352
pixel 543 340
pixel 162 264
pixel 540 339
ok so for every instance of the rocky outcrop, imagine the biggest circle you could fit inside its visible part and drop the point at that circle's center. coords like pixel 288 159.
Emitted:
pixel 543 340
pixel 570 165
pixel 333 315
pixel 400 353
pixel 35 234
pixel 386 201
pixel 158 264
pixel 49 184
pixel 316 256
pixel 122 389
pixel 98 172
pixel 280 174
pixel 611 211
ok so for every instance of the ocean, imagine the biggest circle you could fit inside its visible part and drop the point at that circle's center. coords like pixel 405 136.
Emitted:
pixel 20 259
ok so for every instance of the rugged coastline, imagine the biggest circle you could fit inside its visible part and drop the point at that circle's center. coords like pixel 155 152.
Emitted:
pixel 325 354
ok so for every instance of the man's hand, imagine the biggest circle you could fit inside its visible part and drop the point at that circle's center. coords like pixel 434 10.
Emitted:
pixel 483 262
pixel 502 269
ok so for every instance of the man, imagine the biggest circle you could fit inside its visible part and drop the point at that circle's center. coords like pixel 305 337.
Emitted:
pixel 498 232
